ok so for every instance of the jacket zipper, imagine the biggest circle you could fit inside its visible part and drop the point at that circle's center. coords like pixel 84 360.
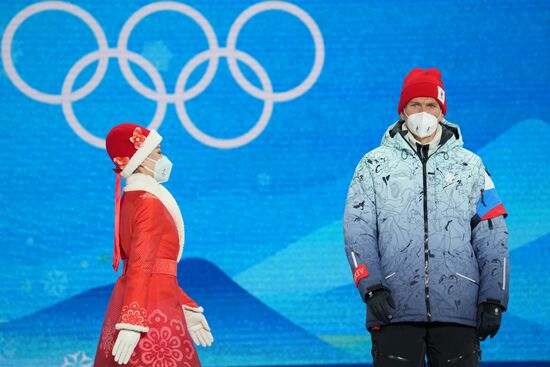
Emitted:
pixel 426 245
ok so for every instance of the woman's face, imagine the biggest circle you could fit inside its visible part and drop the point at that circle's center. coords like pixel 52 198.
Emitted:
pixel 150 163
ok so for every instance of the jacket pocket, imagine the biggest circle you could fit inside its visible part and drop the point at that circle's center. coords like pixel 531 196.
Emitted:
pixel 469 279
pixel 389 282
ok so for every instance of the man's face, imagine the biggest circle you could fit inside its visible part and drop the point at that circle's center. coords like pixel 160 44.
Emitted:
pixel 423 104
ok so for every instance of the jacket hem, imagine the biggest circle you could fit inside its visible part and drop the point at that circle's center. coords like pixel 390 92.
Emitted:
pixel 423 318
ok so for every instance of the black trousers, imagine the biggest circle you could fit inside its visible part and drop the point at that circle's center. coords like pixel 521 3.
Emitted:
pixel 408 344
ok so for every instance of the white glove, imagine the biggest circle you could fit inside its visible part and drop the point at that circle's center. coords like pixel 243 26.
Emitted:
pixel 124 345
pixel 197 326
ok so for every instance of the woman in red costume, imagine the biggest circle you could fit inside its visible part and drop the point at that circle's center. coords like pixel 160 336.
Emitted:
pixel 150 321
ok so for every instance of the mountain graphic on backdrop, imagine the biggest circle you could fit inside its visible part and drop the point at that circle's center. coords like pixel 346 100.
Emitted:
pixel 245 330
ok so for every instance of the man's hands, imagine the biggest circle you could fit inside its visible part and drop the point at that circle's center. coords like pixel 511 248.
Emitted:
pixel 124 345
pixel 381 304
pixel 489 316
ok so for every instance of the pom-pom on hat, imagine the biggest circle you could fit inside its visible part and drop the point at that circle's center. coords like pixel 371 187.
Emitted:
pixel 128 145
pixel 423 83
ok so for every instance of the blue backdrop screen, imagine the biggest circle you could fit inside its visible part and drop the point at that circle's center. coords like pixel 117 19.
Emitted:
pixel 265 109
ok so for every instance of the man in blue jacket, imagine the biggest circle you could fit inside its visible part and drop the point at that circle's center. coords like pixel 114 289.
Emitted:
pixel 426 237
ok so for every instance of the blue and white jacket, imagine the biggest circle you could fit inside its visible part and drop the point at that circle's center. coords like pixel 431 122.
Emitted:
pixel 431 229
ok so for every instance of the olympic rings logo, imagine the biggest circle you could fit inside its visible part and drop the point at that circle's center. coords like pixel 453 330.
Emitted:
pixel 159 94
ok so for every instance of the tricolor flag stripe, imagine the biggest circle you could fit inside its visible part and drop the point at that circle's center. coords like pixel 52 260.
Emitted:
pixel 488 201
pixel 490 205
pixel 495 212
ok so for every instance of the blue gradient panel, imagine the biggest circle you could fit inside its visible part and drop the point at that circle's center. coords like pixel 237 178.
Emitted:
pixel 265 110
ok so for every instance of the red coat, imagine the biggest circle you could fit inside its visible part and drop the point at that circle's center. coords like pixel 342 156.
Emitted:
pixel 147 297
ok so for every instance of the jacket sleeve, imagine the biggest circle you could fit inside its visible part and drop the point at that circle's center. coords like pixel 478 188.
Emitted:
pixel 185 300
pixel 490 243
pixel 361 232
pixel 145 240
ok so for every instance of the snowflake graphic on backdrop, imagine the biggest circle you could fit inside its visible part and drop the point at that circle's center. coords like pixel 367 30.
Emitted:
pixel 104 258
pixel 79 359
pixel 55 282
pixel 158 54
pixel 263 179
pixel 26 285
pixel 84 264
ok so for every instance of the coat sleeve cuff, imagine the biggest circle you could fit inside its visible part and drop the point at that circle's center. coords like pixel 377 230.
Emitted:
pixel 184 299
pixel 124 326
pixel 194 309
pixel 492 301
pixel 366 285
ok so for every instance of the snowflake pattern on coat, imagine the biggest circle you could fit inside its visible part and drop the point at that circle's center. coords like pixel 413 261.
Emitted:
pixel 163 345
pixel 134 314
pixel 108 340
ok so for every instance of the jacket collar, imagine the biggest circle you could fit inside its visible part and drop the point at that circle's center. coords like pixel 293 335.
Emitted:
pixel 143 182
pixel 433 144
pixel 451 137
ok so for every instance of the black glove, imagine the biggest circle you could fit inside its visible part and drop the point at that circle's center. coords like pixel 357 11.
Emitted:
pixel 489 316
pixel 381 304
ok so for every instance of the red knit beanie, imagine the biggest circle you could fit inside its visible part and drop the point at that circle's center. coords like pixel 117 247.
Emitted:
pixel 423 83
pixel 128 145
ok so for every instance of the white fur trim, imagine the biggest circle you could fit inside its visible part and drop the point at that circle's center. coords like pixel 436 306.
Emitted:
pixel 143 182
pixel 194 309
pixel 150 143
pixel 124 326
pixel 173 208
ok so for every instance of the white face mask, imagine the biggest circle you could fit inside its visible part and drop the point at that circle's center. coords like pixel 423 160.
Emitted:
pixel 162 170
pixel 421 124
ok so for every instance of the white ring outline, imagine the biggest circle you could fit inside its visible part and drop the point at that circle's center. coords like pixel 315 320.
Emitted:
pixel 31 10
pixel 209 140
pixel 100 55
pixel 182 9
pixel 308 21
pixel 178 98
